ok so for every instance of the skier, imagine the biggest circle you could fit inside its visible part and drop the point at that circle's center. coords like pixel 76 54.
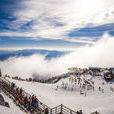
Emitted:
pixel 85 93
pixel 93 88
pixel 99 88
pixel 57 88
pixel 102 90
pixel 111 88
pixel 62 84
pixel 72 87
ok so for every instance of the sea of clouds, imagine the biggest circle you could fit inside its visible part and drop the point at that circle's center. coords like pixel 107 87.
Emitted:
pixel 101 54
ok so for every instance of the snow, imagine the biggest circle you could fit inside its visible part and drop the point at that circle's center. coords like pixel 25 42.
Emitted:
pixel 53 96
pixel 13 108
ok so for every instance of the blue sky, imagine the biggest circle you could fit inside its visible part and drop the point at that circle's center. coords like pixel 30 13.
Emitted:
pixel 39 23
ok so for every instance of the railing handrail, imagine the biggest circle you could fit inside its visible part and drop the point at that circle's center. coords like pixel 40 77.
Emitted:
pixel 68 108
pixel 64 109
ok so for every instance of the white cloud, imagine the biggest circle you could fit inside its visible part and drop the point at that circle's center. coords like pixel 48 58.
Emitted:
pixel 56 48
pixel 46 14
pixel 86 41
pixel 100 54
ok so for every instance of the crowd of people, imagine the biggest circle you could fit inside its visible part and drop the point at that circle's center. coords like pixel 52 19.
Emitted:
pixel 21 98
pixel 83 84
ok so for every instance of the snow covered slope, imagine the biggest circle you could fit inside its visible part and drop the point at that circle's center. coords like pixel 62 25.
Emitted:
pixel 67 92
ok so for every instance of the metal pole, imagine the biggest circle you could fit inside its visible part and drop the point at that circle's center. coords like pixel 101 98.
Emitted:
pixel 61 108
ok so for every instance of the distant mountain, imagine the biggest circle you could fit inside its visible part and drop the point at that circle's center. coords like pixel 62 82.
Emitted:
pixel 49 54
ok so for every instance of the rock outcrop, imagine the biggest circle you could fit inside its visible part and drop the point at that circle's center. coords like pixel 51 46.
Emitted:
pixel 2 101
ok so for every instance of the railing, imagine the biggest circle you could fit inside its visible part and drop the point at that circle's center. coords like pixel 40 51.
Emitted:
pixel 61 109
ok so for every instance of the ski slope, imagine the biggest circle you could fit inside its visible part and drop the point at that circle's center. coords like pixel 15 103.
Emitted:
pixel 53 94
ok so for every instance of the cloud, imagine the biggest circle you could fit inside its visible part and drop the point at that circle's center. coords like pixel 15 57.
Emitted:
pixel 56 19
pixel 86 41
pixel 100 54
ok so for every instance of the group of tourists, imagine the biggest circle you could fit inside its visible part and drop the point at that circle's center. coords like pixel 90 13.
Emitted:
pixel 23 99
pixel 83 84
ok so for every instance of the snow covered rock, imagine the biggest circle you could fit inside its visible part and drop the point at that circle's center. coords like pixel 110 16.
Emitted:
pixel 2 102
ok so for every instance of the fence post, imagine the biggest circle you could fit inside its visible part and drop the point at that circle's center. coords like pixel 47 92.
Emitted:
pixel 61 108
pixel 50 111
pixel 56 110
pixel 44 106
